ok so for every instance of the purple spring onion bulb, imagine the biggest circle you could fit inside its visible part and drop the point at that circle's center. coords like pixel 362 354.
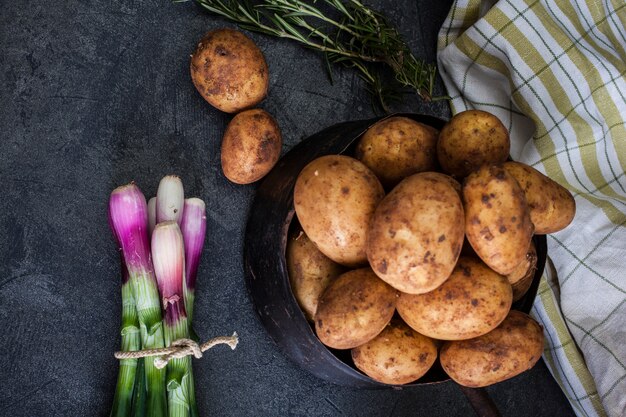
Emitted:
pixel 193 228
pixel 170 199
pixel 128 216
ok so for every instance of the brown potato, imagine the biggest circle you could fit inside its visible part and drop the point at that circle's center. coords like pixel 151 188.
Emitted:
pixel 510 349
pixel 354 309
pixel 472 302
pixel 552 206
pixel 310 271
pixel 251 146
pixel 398 355
pixel 397 147
pixel 522 277
pixel 335 197
pixel 416 234
pixel 470 139
pixel 229 70
pixel 497 220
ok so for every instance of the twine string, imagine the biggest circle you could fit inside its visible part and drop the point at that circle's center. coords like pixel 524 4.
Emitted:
pixel 179 349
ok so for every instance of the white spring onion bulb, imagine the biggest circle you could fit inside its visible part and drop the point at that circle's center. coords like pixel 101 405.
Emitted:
pixel 170 200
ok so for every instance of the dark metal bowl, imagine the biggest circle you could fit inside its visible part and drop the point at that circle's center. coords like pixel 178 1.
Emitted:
pixel 266 270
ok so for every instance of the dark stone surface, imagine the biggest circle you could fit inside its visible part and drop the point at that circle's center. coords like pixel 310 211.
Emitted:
pixel 97 93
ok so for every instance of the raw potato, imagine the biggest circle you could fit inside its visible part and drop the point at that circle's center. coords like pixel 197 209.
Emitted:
pixel 508 350
pixel 470 139
pixel 472 302
pixel 251 146
pixel 229 70
pixel 398 355
pixel 522 277
pixel 497 220
pixel 416 234
pixel 335 197
pixel 354 309
pixel 310 272
pixel 551 206
pixel 397 147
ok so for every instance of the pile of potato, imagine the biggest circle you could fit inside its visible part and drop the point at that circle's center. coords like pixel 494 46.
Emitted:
pixel 417 247
pixel 230 72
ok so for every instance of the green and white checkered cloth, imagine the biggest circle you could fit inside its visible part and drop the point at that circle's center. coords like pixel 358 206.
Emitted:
pixel 554 72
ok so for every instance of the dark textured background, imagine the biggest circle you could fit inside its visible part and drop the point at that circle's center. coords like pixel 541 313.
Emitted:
pixel 95 94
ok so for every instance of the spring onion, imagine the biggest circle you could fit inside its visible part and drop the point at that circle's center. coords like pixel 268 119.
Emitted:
pixel 128 213
pixel 193 228
pixel 168 254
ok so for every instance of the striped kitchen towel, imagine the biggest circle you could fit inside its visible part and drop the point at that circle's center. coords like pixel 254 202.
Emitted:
pixel 554 72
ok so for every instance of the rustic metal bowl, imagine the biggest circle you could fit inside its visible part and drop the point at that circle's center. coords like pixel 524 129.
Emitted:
pixel 266 276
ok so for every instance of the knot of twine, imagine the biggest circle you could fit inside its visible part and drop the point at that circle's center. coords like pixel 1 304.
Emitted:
pixel 179 349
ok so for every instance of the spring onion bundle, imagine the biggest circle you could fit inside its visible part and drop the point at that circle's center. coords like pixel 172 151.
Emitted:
pixel 158 282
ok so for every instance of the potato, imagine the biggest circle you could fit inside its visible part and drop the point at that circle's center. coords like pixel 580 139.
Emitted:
pixel 522 277
pixel 398 355
pixel 552 206
pixel 335 197
pixel 416 234
pixel 310 271
pixel 497 219
pixel 354 309
pixel 470 139
pixel 472 302
pixel 510 349
pixel 251 146
pixel 229 70
pixel 397 147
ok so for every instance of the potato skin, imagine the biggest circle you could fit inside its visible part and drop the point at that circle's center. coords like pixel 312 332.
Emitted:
pixel 398 355
pixel 552 206
pixel 470 139
pixel 251 146
pixel 229 70
pixel 354 309
pixel 497 219
pixel 510 349
pixel 310 272
pixel 472 302
pixel 416 234
pixel 397 147
pixel 335 197
pixel 522 277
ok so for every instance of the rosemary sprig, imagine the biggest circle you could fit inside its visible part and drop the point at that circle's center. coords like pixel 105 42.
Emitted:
pixel 351 34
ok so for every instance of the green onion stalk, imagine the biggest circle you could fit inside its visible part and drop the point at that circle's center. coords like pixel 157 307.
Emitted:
pixel 128 214
pixel 123 400
pixel 193 228
pixel 168 255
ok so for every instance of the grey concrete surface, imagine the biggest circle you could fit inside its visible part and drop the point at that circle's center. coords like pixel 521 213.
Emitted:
pixel 95 94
